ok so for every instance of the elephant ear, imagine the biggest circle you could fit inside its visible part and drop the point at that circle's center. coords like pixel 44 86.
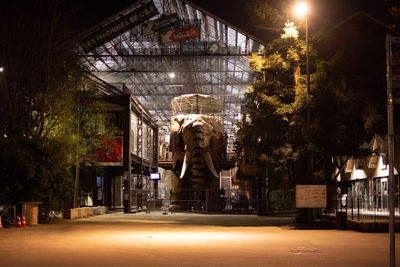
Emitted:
pixel 217 142
pixel 218 129
pixel 176 142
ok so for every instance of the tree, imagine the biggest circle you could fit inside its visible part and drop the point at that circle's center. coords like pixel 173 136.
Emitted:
pixel 277 106
pixel 87 116
pixel 347 101
pixel 393 9
pixel 350 87
pixel 42 88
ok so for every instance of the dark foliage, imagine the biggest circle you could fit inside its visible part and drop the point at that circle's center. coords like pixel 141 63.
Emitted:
pixel 347 101
pixel 40 95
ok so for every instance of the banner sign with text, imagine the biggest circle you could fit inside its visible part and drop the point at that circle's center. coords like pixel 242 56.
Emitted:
pixel 108 151
pixel 179 34
pixel 160 24
pixel 310 196
pixel 119 26
pixel 200 48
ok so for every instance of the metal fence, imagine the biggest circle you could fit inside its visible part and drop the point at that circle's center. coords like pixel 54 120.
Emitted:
pixel 8 214
pixel 239 201
pixel 193 200
pixel 366 207
pixel 147 199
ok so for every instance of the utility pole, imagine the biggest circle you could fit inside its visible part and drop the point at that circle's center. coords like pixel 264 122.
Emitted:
pixel 390 147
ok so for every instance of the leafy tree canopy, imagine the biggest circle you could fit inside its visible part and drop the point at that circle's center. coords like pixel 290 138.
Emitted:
pixel 346 99
pixel 47 106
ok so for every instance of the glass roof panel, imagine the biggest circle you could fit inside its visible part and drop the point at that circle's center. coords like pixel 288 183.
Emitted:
pixel 213 62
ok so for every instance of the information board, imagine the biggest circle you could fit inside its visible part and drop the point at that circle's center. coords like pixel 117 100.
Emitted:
pixel 200 48
pixel 310 196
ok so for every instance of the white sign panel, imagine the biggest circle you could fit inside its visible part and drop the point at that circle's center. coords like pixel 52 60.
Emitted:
pixel 310 196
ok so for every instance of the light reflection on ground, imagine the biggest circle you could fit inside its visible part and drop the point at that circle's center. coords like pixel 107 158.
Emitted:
pixel 179 238
pixel 188 240
pixel 145 221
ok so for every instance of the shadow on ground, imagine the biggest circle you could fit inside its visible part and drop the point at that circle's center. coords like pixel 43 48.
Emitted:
pixel 225 220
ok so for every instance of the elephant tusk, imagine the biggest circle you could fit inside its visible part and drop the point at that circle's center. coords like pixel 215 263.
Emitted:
pixel 210 164
pixel 185 164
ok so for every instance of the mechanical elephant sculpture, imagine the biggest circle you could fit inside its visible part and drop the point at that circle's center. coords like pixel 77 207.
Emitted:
pixel 198 147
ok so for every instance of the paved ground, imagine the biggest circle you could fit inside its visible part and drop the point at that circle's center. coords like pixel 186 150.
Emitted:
pixel 189 240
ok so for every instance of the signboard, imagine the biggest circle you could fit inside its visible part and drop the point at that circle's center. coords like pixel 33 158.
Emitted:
pixel 179 34
pixel 310 196
pixel 200 48
pixel 155 176
pixel 119 26
pixel 160 24
pixel 108 151
pixel 99 181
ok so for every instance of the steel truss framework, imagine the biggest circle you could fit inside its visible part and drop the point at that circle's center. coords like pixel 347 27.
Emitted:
pixel 143 63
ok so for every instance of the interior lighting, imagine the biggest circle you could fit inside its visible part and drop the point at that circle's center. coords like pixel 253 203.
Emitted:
pixel 1 69
pixel 171 75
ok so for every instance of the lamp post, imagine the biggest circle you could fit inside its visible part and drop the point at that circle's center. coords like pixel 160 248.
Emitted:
pixel 301 9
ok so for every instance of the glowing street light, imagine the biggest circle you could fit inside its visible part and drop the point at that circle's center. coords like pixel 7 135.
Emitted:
pixel 171 75
pixel 301 9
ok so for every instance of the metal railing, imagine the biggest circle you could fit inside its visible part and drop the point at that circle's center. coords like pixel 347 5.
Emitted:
pixel 193 200
pixel 147 199
pixel 8 214
pixel 366 207
pixel 238 201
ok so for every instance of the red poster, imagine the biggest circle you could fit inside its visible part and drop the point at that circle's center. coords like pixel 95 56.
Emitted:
pixel 179 34
pixel 108 151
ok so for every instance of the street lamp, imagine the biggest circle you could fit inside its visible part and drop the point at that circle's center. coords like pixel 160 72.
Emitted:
pixel 301 10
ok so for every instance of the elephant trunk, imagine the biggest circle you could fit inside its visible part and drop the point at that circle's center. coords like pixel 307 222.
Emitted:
pixel 197 154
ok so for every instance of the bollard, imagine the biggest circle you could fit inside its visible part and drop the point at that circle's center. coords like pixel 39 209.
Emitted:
pixel 23 224
pixel 19 221
pixel 352 207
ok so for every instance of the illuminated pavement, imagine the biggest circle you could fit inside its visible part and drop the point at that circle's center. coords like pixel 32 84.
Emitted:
pixel 189 240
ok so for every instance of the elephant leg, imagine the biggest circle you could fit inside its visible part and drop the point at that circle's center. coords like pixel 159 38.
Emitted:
pixel 198 192
pixel 174 193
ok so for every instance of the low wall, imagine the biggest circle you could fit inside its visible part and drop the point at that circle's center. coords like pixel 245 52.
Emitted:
pixel 371 226
pixel 85 212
